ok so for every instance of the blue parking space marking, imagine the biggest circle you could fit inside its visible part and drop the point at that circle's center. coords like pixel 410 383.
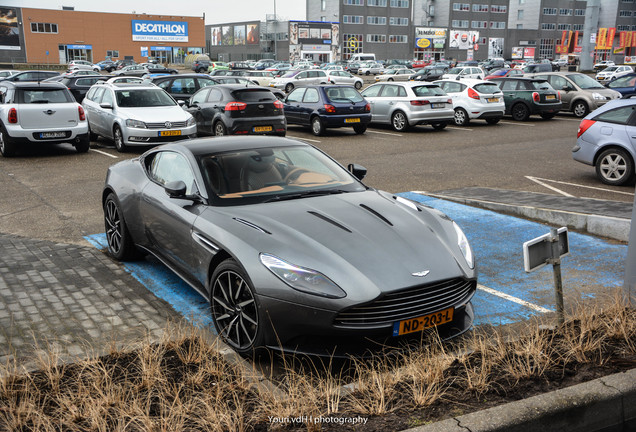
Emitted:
pixel 594 266
pixel 166 285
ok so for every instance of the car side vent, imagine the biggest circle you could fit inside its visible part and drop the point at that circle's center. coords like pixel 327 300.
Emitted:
pixel 375 213
pixel 251 225
pixel 331 221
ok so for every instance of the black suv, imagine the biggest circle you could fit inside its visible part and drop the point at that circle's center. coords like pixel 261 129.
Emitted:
pixel 79 85
pixel 201 66
pixel 182 86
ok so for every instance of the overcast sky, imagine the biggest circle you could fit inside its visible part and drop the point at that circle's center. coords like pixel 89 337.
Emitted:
pixel 216 11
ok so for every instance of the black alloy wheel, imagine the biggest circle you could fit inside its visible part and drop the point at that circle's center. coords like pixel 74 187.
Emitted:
pixel 120 244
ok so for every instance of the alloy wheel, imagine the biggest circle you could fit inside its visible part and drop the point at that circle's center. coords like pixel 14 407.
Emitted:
pixel 613 166
pixel 113 227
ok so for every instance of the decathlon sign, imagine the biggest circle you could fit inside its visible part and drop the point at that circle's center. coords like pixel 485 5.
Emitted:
pixel 163 31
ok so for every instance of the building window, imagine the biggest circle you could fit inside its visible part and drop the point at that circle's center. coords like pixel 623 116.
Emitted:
pixel 398 39
pixel 112 54
pixel 379 3
pixel 549 11
pixel 376 38
pixel 482 41
pixel 579 12
pixel 519 26
pixel 520 14
pixel 566 12
pixel 376 20
pixel 618 27
pixel 548 26
pixel 579 27
pixel 480 8
pixel 564 27
pixel 353 19
pixel 522 2
pixel 546 48
pixel 43 28
pixel 627 1
pixel 459 23
pixel 354 2
pixel 497 24
pixel 625 13
pixel 479 24
pixel 323 5
pixel 396 21
pixel 400 3
pixel 499 8
pixel 353 43
pixel 465 7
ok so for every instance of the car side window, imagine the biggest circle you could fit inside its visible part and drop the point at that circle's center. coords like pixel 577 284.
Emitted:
pixel 618 115
pixel 302 75
pixel 107 97
pixel 372 91
pixel 311 96
pixel 296 95
pixel 401 92
pixel 200 96
pixel 509 85
pixel 169 167
pixel 558 82
pixel 165 85
pixel 215 95
pixel 389 91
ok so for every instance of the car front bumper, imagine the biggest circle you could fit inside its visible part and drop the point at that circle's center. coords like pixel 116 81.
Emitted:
pixel 140 137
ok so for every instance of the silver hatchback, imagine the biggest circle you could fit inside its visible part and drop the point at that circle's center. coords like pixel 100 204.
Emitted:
pixel 408 104
pixel 134 114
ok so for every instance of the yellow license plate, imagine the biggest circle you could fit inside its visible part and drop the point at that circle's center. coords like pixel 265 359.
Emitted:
pixel 550 97
pixel 170 133
pixel 493 100
pixel 427 321
pixel 352 120
pixel 262 128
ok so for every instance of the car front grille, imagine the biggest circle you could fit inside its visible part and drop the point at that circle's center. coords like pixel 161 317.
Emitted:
pixel 162 125
pixel 408 303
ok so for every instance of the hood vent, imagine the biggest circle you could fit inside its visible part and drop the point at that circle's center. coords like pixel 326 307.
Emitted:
pixel 376 214
pixel 251 225
pixel 331 221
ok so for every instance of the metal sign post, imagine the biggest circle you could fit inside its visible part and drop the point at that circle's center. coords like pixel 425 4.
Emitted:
pixel 548 249
pixel 629 287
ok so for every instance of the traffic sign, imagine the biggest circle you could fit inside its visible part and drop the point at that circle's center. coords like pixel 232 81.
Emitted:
pixel 538 252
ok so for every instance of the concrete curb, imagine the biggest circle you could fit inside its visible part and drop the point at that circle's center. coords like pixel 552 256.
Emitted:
pixel 604 226
pixel 604 404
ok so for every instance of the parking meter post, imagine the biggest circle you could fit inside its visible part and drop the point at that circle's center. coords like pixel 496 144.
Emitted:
pixel 556 270
pixel 629 286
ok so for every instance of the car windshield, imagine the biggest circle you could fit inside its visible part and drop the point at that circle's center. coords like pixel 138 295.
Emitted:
pixel 428 91
pixel 626 81
pixel 343 94
pixel 584 81
pixel 455 71
pixel 272 174
pixel 291 74
pixel 611 69
pixel 143 98
pixel 256 95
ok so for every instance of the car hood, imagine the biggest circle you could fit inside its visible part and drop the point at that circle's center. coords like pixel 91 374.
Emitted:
pixel 368 238
pixel 155 114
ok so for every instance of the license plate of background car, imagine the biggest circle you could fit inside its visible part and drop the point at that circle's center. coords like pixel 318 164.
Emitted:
pixel 550 97
pixel 438 105
pixel 53 135
pixel 170 133
pixel 493 99
pixel 420 323
pixel 352 120
pixel 262 128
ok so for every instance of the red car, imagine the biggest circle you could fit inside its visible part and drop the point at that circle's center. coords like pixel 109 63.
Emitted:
pixel 500 73
pixel 419 64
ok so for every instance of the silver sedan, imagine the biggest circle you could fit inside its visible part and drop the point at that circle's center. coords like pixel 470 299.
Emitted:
pixel 343 77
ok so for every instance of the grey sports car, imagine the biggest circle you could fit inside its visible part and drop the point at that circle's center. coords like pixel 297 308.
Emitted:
pixel 291 249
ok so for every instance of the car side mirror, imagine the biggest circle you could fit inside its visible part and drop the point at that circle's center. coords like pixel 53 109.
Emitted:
pixel 358 171
pixel 182 103
pixel 176 189
pixel 567 88
pixel 106 105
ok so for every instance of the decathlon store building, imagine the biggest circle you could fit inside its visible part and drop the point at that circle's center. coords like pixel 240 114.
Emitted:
pixel 59 36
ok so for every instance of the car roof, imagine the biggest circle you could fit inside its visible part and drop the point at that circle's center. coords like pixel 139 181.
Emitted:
pixel 202 146
pixel 188 75
pixel 35 84
pixel 517 78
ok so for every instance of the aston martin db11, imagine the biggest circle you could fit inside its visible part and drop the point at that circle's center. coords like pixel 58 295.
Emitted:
pixel 291 249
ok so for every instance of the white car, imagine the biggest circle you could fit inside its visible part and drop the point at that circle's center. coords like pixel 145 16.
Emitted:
pixel 411 103
pixel 610 73
pixel 342 77
pixel 402 74
pixel 371 68
pixel 260 77
pixel 40 113
pixel 464 72
pixel 603 64
pixel 474 99
pixel 134 114
pixel 299 78
pixel 7 73
pixel 82 65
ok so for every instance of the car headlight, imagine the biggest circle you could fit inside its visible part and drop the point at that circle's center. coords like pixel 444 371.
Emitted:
pixel 598 96
pixel 135 123
pixel 191 121
pixel 462 242
pixel 302 279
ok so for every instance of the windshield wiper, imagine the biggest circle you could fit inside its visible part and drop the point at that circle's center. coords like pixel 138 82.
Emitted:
pixel 305 194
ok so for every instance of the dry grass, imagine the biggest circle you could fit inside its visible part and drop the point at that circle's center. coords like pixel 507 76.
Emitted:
pixel 182 383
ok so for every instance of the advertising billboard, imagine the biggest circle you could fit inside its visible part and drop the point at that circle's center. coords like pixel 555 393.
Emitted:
pixel 239 35
pixel 460 39
pixel 215 36
pixel 252 34
pixel 227 37
pixel 310 33
pixel 495 47
pixel 160 31
pixel 9 30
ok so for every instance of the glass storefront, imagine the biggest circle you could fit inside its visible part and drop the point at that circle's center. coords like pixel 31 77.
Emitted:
pixel 79 52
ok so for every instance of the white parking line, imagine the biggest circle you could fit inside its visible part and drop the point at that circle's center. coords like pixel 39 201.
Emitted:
pixel 584 186
pixel 384 133
pixel 105 154
pixel 569 119
pixel 513 299
pixel 516 123
pixel 458 128
pixel 301 138
pixel 536 180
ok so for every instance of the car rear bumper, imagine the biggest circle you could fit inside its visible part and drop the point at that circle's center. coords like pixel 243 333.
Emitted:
pixel 335 121
pixel 72 134
pixel 258 126
pixel 431 116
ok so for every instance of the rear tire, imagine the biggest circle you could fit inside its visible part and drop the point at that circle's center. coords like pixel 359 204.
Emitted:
pixel 289 87
pixel 615 167
pixel 520 112
pixel 7 145
pixel 461 117
pixel 399 121
pixel 219 129
pixel 360 129
pixel 492 121
pixel 317 127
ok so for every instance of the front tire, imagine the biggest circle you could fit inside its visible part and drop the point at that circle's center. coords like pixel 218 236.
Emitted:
pixel 118 137
pixel 358 85
pixel 317 127
pixel 234 308
pixel 580 109
pixel 461 117
pixel 289 87
pixel 399 122
pixel 120 244
pixel 520 112
pixel 7 145
pixel 615 167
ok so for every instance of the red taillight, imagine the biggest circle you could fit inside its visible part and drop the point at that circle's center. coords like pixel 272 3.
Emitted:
pixel 235 106
pixel 330 108
pixel 473 94
pixel 583 126
pixel 450 101
pixel 367 108
pixel 559 95
pixel 82 115
pixel 13 115
pixel 536 97
pixel 419 102
pixel 278 104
